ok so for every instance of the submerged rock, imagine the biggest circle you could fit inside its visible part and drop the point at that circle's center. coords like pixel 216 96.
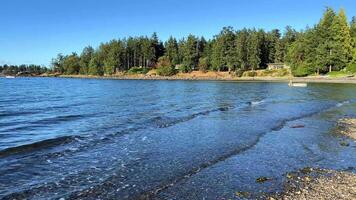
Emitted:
pixel 307 170
pixel 344 143
pixel 298 126
pixel 262 179
pixel 242 194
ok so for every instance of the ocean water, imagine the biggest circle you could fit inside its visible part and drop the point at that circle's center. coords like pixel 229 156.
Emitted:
pixel 132 139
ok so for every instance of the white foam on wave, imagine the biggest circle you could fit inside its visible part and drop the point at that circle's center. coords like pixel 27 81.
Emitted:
pixel 342 103
pixel 255 103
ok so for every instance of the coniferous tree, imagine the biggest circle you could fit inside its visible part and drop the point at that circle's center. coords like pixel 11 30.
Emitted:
pixel 217 55
pixel 57 64
pixel 273 38
pixel 242 40
pixel 148 52
pixel 324 50
pixel 224 52
pixel 131 53
pixel 71 64
pixel 353 31
pixel 279 52
pixel 190 53
pixel 85 58
pixel 264 56
pixel 342 43
pixel 289 36
pixel 171 47
pixel 203 64
pixel 114 58
pixel 301 55
pixel 157 46
pixel 353 36
pixel 96 66
pixel 202 43
pixel 254 51
pixel 207 53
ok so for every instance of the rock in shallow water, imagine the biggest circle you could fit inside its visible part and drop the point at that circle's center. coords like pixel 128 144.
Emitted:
pixel 347 127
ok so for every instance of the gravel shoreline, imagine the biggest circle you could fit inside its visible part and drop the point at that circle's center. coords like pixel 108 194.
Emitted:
pixel 316 184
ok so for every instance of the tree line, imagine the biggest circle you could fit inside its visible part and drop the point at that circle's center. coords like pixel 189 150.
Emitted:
pixel 23 69
pixel 327 46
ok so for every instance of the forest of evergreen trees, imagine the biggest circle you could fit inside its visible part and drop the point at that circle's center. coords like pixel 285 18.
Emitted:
pixel 328 46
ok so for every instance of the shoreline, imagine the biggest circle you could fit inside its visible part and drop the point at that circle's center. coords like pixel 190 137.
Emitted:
pixel 314 184
pixel 189 77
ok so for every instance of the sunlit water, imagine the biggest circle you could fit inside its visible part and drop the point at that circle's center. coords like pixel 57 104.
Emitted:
pixel 116 139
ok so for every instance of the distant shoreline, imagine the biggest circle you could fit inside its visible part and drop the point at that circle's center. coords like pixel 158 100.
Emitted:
pixel 187 77
pixel 222 76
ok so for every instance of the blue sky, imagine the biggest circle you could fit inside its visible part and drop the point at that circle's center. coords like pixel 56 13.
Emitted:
pixel 34 31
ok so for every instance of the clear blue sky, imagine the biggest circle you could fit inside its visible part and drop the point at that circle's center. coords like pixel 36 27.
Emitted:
pixel 34 31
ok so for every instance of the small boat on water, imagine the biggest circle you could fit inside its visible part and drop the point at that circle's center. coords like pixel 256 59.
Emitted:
pixel 291 84
pixel 9 76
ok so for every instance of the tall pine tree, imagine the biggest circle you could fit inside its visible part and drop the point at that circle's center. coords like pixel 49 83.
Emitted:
pixel 85 58
pixel 326 45
pixel 242 49
pixel 172 50
pixel 190 53
pixel 341 38
pixel 254 51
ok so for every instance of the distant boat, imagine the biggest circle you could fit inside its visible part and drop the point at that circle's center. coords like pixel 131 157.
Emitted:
pixel 9 76
pixel 291 84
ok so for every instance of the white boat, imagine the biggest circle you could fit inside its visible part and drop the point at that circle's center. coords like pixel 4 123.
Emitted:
pixel 291 84
pixel 9 76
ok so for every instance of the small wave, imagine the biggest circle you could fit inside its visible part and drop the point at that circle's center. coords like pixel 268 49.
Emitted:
pixel 283 123
pixel 64 106
pixel 255 103
pixel 164 122
pixel 7 124
pixel 43 122
pixel 152 193
pixel 22 128
pixel 155 122
pixel 16 113
pixel 342 103
pixel 37 146
pixel 59 119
